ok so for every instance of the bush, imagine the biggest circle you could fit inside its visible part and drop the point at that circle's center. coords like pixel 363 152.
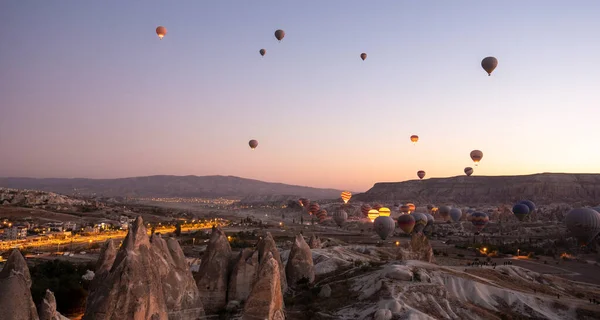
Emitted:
pixel 460 255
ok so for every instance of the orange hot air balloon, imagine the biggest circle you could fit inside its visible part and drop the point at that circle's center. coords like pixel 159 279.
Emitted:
pixel 262 52
pixel 468 171
pixel 253 144
pixel 421 174
pixel 405 209
pixel 489 64
pixel 373 214
pixel 346 195
pixel 476 156
pixel 411 207
pixel 161 32
pixel 384 212
pixel 414 138
pixel 279 34
pixel 363 56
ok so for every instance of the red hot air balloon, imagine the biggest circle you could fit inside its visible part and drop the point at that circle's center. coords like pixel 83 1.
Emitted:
pixel 313 208
pixel 363 56
pixel 253 144
pixel 421 174
pixel 321 215
pixel 364 209
pixel 377 206
pixel 161 32
pixel 406 223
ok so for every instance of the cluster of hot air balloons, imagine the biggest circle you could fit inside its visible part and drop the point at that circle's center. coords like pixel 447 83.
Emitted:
pixel 523 208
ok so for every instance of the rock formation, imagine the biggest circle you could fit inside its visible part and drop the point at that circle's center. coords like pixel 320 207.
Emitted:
pixel 213 275
pixel 463 190
pixel 48 308
pixel 266 245
pixel 132 289
pixel 300 263
pixel 103 265
pixel 314 242
pixel 15 294
pixel 243 275
pixel 418 248
pixel 266 299
pixel 179 288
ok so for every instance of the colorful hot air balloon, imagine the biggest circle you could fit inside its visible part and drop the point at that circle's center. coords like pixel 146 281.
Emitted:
pixel 313 208
pixel 161 32
pixel 377 206
pixel 529 204
pixel 340 217
pixel 411 207
pixel 321 215
pixel 279 34
pixel 405 209
pixel 430 219
pixel 444 212
pixel 584 224
pixel 414 138
pixel 420 221
pixel 520 210
pixel 421 174
pixel 253 144
pixel 384 226
pixel 373 214
pixel 406 222
pixel 476 156
pixel 489 64
pixel 363 56
pixel 262 52
pixel 346 195
pixel 468 171
pixel 455 214
pixel 384 212
pixel 304 202
pixel 364 209
pixel 479 220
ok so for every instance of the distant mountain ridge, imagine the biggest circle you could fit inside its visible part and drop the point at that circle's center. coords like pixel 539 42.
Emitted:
pixel 540 188
pixel 170 186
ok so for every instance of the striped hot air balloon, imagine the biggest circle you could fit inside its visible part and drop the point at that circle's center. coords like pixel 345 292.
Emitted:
pixel 406 223
pixel 313 208
pixel 384 212
pixel 476 156
pixel 346 195
pixel 479 220
pixel 377 206
pixel 384 226
pixel 373 214
pixel 321 215
pixel 584 224
pixel 304 202
pixel 468 171
pixel 340 217
pixel 364 209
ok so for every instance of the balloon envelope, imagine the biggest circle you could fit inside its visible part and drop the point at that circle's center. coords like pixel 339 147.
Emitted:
pixel 340 217
pixel 411 207
pixel 373 214
pixel 455 214
pixel 363 56
pixel 253 144
pixel 444 212
pixel 161 32
pixel 384 212
pixel 420 221
pixel 479 220
pixel 384 226
pixel 583 223
pixel 405 208
pixel 321 214
pixel 414 138
pixel 529 204
pixel 430 219
pixel 364 209
pixel 304 202
pixel 520 210
pixel 377 206
pixel 313 208
pixel 346 195
pixel 489 64
pixel 476 156
pixel 468 171
pixel 406 223
pixel 279 34
pixel 421 174
pixel 262 52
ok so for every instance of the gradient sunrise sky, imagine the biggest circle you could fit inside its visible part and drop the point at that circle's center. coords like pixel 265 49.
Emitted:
pixel 88 90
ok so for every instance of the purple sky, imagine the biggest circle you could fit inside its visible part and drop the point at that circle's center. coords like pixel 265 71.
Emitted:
pixel 88 90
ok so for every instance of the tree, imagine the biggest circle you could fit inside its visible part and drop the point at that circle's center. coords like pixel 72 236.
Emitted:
pixel 178 229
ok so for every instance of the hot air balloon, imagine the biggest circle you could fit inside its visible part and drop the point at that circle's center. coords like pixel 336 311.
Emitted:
pixel 262 52
pixel 476 156
pixel 364 209
pixel 414 138
pixel 584 224
pixel 384 226
pixel 444 212
pixel 313 208
pixel 411 207
pixel 253 144
pixel 455 214
pixel 346 195
pixel 520 210
pixel 321 215
pixel 340 217
pixel 468 171
pixel 430 219
pixel 377 206
pixel 405 209
pixel 304 202
pixel 363 56
pixel 479 220
pixel 406 223
pixel 430 207
pixel 279 34
pixel 384 212
pixel 373 214
pixel 529 204
pixel 489 64
pixel 420 221
pixel 161 32
pixel 421 174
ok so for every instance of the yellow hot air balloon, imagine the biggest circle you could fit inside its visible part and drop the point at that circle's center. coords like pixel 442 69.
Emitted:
pixel 384 212
pixel 414 138
pixel 476 156
pixel 346 195
pixel 373 214
pixel 161 32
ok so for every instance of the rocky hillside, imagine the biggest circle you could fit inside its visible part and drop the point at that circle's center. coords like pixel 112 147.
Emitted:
pixel 170 186
pixel 540 188
pixel 41 200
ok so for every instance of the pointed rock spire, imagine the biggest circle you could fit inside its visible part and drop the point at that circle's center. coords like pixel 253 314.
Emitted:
pixel 48 308
pixel 266 245
pixel 300 262
pixel 213 274
pixel 266 299
pixel 15 294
